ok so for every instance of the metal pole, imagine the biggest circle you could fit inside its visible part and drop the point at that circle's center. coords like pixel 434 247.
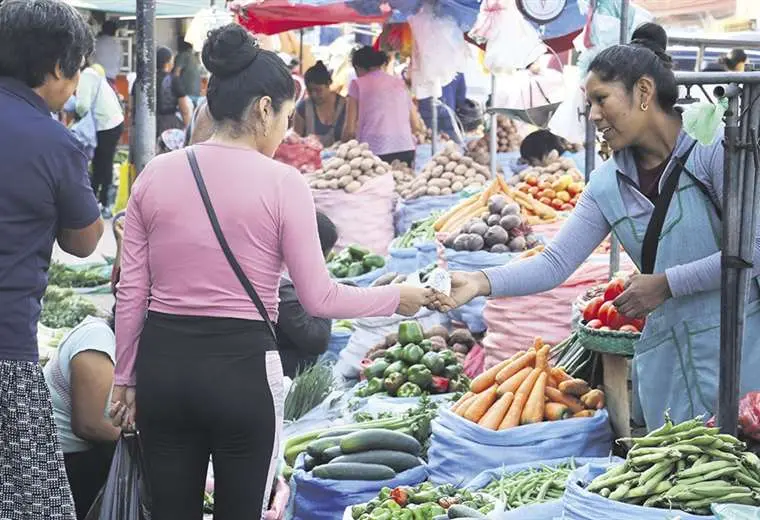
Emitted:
pixel 700 58
pixel 434 124
pixel 145 89
pixel 732 306
pixel 493 141
pixel 300 52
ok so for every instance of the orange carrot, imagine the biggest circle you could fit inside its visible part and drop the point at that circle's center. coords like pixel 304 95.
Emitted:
pixel 487 378
pixel 533 412
pixel 538 342
pixel 514 382
pixel 542 358
pixel 550 381
pixel 584 413
pixel 559 374
pixel 443 219
pixel 461 401
pixel 556 412
pixel 480 404
pixel 526 360
pixel 573 403
pixel 493 417
pixel 576 387
pixel 512 418
pixel 462 408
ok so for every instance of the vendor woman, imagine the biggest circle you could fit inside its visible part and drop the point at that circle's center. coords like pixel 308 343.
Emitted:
pixel 380 109
pixel 631 92
pixel 323 113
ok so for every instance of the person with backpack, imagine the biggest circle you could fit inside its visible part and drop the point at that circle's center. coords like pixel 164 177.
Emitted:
pixel 174 108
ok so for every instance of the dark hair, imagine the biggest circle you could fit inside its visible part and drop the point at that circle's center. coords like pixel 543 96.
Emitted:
pixel 109 28
pixel 185 46
pixel 538 144
pixel 37 35
pixel 368 58
pixel 733 58
pixel 163 56
pixel 328 233
pixel 644 56
pixel 318 75
pixel 242 72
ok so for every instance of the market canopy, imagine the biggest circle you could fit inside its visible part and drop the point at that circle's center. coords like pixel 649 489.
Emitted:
pixel 164 8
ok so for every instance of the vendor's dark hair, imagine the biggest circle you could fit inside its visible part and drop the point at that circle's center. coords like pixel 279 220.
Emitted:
pixel 109 28
pixel 242 72
pixel 644 56
pixel 368 58
pixel 37 35
pixel 318 75
pixel 733 58
pixel 328 233
pixel 538 144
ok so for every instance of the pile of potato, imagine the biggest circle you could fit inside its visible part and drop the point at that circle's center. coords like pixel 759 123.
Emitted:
pixel 353 165
pixel 426 137
pixel 556 182
pixel 501 229
pixel 447 172
pixel 507 136
pixel 403 174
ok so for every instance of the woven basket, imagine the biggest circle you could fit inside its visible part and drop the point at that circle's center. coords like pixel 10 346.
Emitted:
pixel 608 341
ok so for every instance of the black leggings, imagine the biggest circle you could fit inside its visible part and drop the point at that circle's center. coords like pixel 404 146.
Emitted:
pixel 208 387
pixel 87 472
pixel 102 162
pixel 405 157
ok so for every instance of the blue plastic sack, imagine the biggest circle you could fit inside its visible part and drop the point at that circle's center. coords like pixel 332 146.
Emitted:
pixel 735 512
pixel 338 341
pixel 545 511
pixel 324 499
pixel 427 254
pixel 508 162
pixel 464 12
pixel 579 504
pixel 409 211
pixel 460 449
pixel 366 279
pixel 402 260
pixel 422 155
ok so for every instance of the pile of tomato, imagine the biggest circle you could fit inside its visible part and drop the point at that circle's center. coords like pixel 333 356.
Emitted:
pixel 601 313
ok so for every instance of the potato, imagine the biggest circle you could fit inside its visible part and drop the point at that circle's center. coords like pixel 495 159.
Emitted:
pixel 553 167
pixel 345 181
pixel 467 161
pixel 457 186
pixel 441 159
pixel 362 146
pixel 405 194
pixel 460 169
pixel 471 172
pixel 446 191
pixel 448 175
pixel 419 192
pixel 553 155
pixel 366 163
pixel 433 190
pixel 322 184
pixel 368 154
pixel 352 187
pixel 450 166
pixel 455 156
pixel 437 171
pixel 343 170
pixel 440 183
pixel 379 170
pixel 355 163
pixel 363 178
pixel 480 178
pixel 332 184
pixel 356 173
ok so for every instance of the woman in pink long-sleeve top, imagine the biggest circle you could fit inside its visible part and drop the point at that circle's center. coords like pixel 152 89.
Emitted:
pixel 196 362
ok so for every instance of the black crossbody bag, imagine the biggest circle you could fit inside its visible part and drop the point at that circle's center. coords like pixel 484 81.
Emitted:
pixel 244 281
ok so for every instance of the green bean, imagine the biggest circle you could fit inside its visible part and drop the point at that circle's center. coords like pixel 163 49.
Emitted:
pixel 718 454
pixel 704 469
pixel 605 492
pixel 602 482
pixel 620 492
pixel 717 489
pixel 701 460
pixel 745 478
pixel 702 440
pixel 733 498
pixel 646 490
pixel 661 467
pixel 655 457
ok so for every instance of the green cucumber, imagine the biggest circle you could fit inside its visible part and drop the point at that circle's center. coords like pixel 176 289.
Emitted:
pixel 378 439
pixel 337 433
pixel 317 448
pixel 353 471
pixel 309 463
pixel 460 511
pixel 331 453
pixel 399 461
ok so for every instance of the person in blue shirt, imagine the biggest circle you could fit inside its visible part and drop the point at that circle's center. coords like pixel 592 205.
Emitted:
pixel 452 95
pixel 45 196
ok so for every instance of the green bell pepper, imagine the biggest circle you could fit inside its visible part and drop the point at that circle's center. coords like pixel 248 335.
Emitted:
pixel 339 270
pixel 412 354
pixel 453 371
pixel 460 384
pixel 385 494
pixel 357 511
pixel 426 345
pixel 433 361
pixel 409 390
pixel 357 252
pixel 404 514
pixel 381 514
pixel 396 367
pixel 355 269
pixel 373 262
pixel 394 353
pixel 448 356
pixel 374 386
pixel 423 497
pixel 390 505
pixel 420 375
pixel 410 332
pixel 393 382
pixel 376 369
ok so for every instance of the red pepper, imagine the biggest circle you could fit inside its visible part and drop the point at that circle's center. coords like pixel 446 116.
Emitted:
pixel 400 496
pixel 364 363
pixel 440 384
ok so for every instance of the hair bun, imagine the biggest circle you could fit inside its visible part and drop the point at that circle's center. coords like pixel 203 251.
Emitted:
pixel 229 50
pixel 653 37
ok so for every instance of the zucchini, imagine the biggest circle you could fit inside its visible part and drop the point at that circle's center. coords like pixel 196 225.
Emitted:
pixel 397 460
pixel 441 517
pixel 379 439
pixel 353 471
pixel 309 462
pixel 317 447
pixel 460 511
pixel 336 433
pixel 331 453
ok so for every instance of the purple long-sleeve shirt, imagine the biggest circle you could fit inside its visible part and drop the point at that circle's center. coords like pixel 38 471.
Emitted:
pixel 586 228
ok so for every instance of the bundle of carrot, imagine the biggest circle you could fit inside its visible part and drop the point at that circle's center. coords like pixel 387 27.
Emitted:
pixel 526 390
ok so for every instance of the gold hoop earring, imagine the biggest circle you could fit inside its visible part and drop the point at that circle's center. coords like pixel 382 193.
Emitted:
pixel 644 107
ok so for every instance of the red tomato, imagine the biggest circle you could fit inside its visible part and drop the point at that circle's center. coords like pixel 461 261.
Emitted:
pixel 638 323
pixel 603 312
pixel 592 309
pixel 605 328
pixel 614 289
pixel 615 320
pixel 595 324
pixel 628 328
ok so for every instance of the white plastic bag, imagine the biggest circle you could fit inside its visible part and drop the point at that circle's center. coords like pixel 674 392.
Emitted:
pixel 567 121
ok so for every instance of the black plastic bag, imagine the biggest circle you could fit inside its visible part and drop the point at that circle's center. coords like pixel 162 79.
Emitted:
pixel 125 495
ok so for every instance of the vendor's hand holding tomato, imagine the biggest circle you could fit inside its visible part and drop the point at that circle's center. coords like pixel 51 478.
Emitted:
pixel 643 293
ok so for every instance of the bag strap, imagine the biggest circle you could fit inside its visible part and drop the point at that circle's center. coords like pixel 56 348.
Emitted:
pixel 244 281
pixel 652 235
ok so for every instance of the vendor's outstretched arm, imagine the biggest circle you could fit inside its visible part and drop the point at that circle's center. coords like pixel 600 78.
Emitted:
pixel 582 233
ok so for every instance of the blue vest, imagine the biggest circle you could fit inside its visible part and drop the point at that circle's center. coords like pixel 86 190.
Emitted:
pixel 676 361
